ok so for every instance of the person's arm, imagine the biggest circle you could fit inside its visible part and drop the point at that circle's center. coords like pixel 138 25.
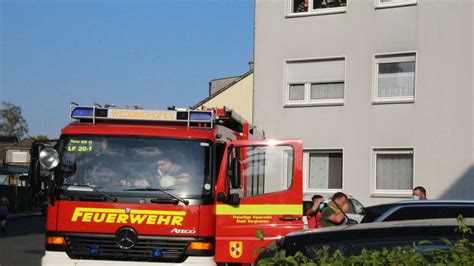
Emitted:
pixel 183 178
pixel 339 217
pixel 315 208
pixel 336 218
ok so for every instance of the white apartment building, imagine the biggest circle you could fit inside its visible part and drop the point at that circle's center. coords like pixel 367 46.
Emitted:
pixel 380 92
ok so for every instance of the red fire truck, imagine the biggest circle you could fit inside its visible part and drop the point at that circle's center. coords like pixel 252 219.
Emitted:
pixel 130 185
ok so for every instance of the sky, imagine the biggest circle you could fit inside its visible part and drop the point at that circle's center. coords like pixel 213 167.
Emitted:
pixel 154 53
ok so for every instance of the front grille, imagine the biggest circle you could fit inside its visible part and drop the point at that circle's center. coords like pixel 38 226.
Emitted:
pixel 172 249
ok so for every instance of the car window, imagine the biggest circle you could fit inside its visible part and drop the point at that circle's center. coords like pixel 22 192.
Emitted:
pixel 351 207
pixel 358 207
pixel 430 212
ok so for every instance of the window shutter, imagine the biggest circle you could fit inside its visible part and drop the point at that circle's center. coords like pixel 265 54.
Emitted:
pixel 319 71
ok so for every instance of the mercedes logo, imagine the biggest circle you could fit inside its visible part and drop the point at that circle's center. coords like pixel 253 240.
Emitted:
pixel 126 238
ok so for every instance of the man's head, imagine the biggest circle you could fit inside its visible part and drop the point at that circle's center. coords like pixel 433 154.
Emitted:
pixel 316 197
pixel 165 165
pixel 340 199
pixel 419 193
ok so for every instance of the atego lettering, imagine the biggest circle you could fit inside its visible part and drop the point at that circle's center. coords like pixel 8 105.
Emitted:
pixel 183 231
pixel 120 216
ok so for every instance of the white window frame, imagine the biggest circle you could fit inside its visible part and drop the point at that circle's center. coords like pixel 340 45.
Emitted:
pixel 286 167
pixel 306 188
pixel 307 85
pixel 390 192
pixel 313 12
pixel 396 3
pixel 392 58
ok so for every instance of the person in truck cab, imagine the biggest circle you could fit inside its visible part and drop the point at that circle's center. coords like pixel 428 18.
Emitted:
pixel 169 174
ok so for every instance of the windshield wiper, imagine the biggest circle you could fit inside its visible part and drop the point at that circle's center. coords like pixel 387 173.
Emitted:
pixel 93 188
pixel 185 202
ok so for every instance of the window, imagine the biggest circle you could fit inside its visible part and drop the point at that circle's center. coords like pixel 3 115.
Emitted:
pixel 356 207
pixel 317 6
pixel 323 170
pixel 394 3
pixel 263 170
pixel 430 212
pixel 316 82
pixel 394 170
pixel 394 78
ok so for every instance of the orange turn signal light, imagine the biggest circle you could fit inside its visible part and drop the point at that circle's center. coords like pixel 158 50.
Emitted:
pixel 200 246
pixel 55 240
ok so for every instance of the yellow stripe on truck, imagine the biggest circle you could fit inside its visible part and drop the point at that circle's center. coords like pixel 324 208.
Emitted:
pixel 260 209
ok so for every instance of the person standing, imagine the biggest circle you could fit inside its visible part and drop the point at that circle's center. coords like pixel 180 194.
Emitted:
pixel 419 193
pixel 313 214
pixel 3 210
pixel 334 213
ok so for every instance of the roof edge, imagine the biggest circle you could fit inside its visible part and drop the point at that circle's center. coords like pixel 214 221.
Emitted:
pixel 223 89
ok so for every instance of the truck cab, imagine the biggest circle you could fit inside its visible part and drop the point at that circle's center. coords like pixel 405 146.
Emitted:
pixel 166 187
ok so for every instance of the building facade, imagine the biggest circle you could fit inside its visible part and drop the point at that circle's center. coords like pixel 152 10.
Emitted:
pixel 380 92
pixel 236 94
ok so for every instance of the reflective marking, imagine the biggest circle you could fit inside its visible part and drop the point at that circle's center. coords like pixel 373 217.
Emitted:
pixel 270 209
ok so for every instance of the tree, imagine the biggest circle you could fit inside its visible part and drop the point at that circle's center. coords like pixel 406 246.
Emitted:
pixel 12 122
pixel 40 137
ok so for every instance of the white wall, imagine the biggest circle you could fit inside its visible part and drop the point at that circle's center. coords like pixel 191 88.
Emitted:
pixel 438 125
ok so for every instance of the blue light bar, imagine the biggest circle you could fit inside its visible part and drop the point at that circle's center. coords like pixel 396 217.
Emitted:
pixel 94 250
pixel 82 112
pixel 157 253
pixel 201 116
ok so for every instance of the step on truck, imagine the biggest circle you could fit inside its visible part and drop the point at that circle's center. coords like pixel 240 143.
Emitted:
pixel 173 187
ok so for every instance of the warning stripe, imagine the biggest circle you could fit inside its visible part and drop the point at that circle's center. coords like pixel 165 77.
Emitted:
pixel 260 209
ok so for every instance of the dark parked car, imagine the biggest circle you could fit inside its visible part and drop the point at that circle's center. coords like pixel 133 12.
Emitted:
pixel 418 209
pixel 351 240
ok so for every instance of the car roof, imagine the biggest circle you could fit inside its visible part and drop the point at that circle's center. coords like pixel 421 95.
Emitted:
pixel 436 202
pixel 423 202
pixel 373 213
pixel 385 225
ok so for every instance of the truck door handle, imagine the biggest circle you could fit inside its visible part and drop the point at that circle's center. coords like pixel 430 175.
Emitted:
pixel 287 218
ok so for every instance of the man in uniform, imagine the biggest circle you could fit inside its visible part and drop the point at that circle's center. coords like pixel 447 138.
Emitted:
pixel 334 213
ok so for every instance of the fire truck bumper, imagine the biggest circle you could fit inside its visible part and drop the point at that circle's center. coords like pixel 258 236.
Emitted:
pixel 52 258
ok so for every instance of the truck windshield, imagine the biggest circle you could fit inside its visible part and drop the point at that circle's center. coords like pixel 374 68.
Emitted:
pixel 134 164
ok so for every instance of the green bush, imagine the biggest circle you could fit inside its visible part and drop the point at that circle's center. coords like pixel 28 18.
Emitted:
pixel 458 253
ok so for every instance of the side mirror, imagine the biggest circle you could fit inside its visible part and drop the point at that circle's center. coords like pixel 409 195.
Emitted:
pixel 35 167
pixel 49 158
pixel 233 199
pixel 221 197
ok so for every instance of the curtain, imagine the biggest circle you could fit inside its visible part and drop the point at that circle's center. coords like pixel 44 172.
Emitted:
pixel 328 91
pixel 296 92
pixel 396 84
pixel 394 171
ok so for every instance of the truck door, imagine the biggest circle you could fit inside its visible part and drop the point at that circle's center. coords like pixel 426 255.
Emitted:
pixel 258 197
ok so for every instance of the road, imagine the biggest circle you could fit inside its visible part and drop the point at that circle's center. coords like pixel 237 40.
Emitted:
pixel 23 242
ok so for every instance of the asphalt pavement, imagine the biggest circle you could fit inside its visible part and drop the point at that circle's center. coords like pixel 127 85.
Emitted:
pixel 23 241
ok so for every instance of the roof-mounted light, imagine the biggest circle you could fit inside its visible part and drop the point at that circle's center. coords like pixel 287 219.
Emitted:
pixel 200 116
pixel 82 112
